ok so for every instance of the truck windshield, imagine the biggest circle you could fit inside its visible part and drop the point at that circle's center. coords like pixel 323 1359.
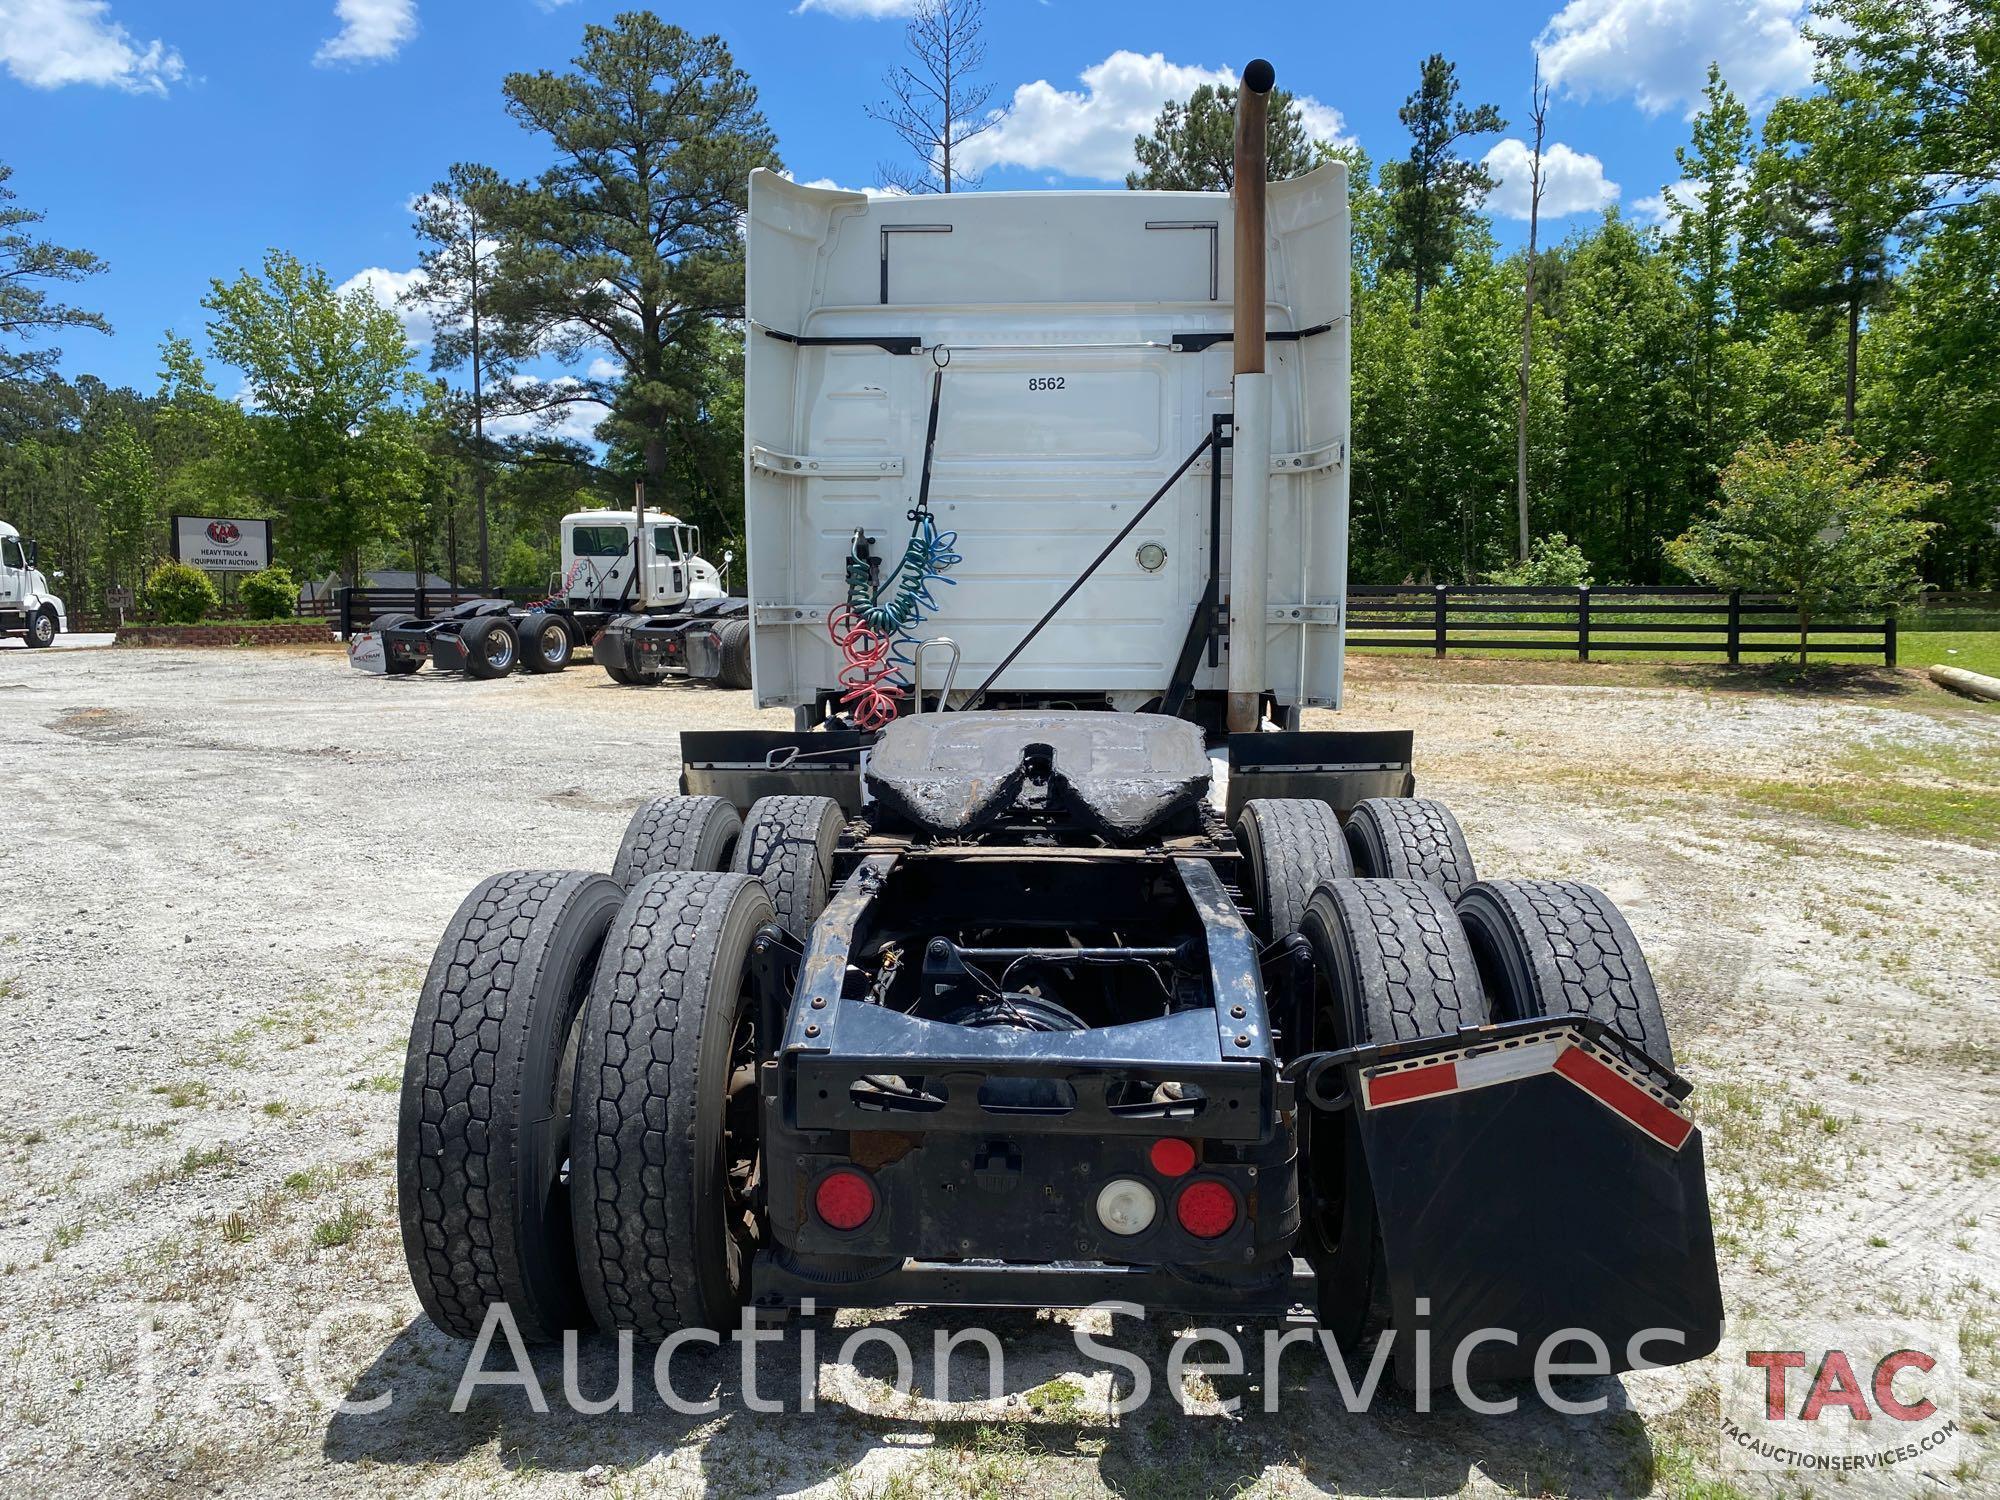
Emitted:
pixel 601 541
pixel 11 555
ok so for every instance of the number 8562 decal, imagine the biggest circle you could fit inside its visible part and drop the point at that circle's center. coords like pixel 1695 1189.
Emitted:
pixel 1046 382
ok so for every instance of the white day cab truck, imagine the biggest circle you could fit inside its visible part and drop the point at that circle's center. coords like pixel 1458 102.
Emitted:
pixel 1089 975
pixel 633 588
pixel 28 609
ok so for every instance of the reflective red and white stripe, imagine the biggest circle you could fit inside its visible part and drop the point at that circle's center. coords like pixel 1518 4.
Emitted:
pixel 1615 1087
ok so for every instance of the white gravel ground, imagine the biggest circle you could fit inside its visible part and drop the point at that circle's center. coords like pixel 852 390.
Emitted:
pixel 224 874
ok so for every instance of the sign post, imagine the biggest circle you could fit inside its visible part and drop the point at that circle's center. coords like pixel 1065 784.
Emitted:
pixel 216 545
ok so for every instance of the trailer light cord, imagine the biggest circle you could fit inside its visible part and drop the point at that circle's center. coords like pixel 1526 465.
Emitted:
pixel 874 631
pixel 561 595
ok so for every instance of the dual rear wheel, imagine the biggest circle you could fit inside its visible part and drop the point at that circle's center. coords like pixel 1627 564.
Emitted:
pixel 1408 943
pixel 579 1123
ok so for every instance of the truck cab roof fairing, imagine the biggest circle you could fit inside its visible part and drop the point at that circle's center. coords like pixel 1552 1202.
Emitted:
pixel 1068 397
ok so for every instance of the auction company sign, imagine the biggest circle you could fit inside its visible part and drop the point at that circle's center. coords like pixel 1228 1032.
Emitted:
pixel 1870 1405
pixel 222 546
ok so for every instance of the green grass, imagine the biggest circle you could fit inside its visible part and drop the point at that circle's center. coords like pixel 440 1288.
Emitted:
pixel 1924 791
pixel 1974 650
pixel 339 1230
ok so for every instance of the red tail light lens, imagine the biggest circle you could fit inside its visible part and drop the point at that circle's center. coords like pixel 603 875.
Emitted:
pixel 1206 1209
pixel 1172 1158
pixel 845 1199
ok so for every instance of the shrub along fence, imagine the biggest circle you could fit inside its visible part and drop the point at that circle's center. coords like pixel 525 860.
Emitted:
pixel 1588 621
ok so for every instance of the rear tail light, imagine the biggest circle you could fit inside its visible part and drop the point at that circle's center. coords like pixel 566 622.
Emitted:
pixel 844 1199
pixel 1172 1158
pixel 1126 1205
pixel 1206 1209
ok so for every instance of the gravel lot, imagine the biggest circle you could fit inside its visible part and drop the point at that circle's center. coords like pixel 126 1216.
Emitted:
pixel 226 871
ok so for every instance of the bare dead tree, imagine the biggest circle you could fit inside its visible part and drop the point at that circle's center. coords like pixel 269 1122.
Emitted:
pixel 1538 97
pixel 934 106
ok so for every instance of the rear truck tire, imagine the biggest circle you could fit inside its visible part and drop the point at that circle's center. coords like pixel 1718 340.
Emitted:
pixel 1390 963
pixel 620 676
pixel 391 621
pixel 735 636
pixel 482 1137
pixel 492 650
pixel 665 1157
pixel 1290 845
pixel 1552 948
pixel 788 844
pixel 42 630
pixel 677 833
pixel 1409 838
pixel 546 644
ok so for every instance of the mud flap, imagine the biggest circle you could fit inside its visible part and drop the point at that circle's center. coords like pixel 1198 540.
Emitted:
pixel 1532 1181
pixel 365 653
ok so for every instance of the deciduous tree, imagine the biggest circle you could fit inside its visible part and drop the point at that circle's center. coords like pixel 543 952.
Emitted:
pixel 1815 522
pixel 330 382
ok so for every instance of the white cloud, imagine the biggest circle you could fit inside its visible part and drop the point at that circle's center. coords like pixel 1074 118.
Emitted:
pixel 370 31
pixel 1573 182
pixel 841 187
pixel 1665 207
pixel 864 10
pixel 1089 132
pixel 49 43
pixel 388 287
pixel 1658 51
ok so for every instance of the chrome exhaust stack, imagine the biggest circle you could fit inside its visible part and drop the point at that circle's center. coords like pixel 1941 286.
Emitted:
pixel 1250 489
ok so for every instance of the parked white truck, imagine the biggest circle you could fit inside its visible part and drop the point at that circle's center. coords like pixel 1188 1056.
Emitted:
pixel 28 608
pixel 1017 1004
pixel 633 587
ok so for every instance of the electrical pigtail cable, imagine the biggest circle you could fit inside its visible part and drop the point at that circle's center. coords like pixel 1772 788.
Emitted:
pixel 875 630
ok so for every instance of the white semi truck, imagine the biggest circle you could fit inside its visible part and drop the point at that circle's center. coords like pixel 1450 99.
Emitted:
pixel 1007 1000
pixel 28 608
pixel 633 586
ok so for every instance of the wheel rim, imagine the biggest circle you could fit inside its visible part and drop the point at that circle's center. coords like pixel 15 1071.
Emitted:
pixel 45 629
pixel 499 649
pixel 555 644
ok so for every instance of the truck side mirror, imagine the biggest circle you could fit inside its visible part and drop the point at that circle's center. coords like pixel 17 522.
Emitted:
pixel 32 551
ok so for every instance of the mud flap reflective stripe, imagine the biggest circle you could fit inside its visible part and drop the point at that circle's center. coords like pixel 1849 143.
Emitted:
pixel 1606 1080
pixel 1541 1190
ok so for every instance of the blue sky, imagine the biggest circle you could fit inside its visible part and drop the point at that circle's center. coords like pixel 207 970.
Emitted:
pixel 178 140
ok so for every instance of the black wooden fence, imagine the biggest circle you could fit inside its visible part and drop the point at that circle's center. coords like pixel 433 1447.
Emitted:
pixel 1481 617
pixel 1590 621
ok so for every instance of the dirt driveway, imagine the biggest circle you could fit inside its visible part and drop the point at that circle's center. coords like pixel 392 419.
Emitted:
pixel 225 873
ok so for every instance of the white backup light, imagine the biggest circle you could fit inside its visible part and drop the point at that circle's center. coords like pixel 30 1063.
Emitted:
pixel 1127 1206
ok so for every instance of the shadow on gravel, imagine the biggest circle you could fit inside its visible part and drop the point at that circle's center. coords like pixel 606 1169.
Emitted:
pixel 1829 681
pixel 1045 1426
